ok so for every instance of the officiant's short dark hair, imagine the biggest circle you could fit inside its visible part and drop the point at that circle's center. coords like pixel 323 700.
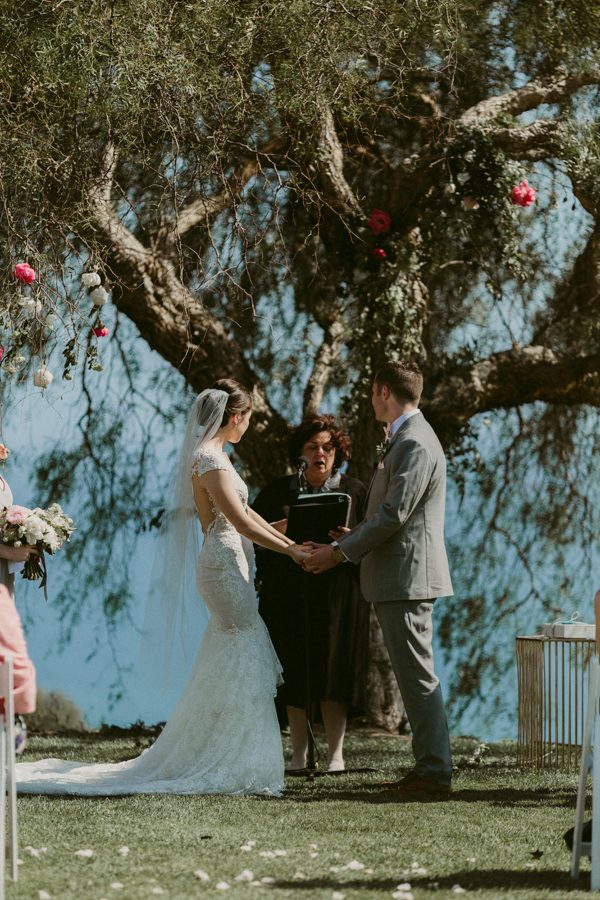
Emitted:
pixel 405 382
pixel 314 425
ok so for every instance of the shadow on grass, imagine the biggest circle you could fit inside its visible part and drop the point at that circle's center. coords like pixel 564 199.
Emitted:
pixel 503 797
pixel 501 879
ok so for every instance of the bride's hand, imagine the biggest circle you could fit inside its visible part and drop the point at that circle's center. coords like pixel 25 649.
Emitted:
pixel 298 553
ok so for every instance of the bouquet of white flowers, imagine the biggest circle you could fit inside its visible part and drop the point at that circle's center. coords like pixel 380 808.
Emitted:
pixel 44 529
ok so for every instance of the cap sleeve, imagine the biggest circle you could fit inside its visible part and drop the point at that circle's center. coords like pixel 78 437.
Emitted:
pixel 207 461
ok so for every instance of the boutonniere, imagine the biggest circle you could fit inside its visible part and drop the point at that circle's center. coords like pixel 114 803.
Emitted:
pixel 382 451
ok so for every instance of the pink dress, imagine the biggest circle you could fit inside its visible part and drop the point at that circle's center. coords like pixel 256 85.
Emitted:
pixel 12 639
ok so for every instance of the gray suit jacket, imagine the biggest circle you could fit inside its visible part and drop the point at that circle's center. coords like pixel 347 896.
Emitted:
pixel 401 539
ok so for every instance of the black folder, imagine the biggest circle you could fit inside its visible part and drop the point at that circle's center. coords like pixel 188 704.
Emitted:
pixel 313 516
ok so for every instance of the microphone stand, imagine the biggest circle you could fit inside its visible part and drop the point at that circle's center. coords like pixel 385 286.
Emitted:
pixel 311 765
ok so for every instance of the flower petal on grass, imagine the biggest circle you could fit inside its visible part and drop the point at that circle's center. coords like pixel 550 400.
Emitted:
pixel 157 890
pixel 354 865
pixel 246 875
pixel 337 895
pixel 267 880
pixel 123 851
pixel 32 851
pixel 405 886
pixel 44 895
pixel 222 886
pixel 403 895
pixel 201 875
pixel 84 854
pixel 267 854
pixel 116 886
pixel 457 889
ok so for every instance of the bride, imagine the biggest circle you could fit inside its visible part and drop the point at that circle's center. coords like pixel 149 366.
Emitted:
pixel 223 736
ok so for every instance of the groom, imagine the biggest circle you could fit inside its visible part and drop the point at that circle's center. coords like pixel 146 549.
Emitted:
pixel 400 545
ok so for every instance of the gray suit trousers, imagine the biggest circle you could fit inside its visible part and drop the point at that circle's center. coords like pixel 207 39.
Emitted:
pixel 407 631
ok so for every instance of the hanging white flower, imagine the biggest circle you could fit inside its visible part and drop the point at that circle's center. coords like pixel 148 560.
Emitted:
pixel 50 321
pixel 32 308
pixel 90 279
pixel 99 296
pixel 43 377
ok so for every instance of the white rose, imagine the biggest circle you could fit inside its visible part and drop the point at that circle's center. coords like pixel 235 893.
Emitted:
pixel 99 296
pixel 43 377
pixel 90 279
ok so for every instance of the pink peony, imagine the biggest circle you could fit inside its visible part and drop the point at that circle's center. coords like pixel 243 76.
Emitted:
pixel 523 194
pixel 470 203
pixel 23 272
pixel 380 221
pixel 101 331
pixel 4 451
pixel 16 515
pixel 379 253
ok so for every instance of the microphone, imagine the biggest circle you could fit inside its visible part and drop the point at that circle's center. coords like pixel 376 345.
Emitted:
pixel 303 463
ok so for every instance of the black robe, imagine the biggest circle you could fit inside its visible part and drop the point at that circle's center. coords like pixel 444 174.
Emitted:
pixel 338 626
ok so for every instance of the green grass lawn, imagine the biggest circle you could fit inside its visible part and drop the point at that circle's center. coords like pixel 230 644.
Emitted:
pixel 334 838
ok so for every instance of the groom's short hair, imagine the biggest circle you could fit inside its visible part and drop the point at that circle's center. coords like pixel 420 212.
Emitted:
pixel 405 382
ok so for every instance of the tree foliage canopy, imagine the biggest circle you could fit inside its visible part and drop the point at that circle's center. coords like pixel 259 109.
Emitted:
pixel 218 163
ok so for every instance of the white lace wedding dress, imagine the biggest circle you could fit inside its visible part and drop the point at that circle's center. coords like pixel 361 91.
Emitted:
pixel 223 736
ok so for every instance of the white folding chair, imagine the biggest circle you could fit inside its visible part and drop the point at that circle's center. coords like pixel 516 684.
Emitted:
pixel 8 784
pixel 591 739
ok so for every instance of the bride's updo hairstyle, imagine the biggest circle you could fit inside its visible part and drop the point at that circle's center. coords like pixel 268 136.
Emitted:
pixel 240 400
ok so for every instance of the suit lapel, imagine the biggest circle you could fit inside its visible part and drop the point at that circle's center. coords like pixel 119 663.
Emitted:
pixel 393 440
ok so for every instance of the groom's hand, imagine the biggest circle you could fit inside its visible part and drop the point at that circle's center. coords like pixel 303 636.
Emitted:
pixel 320 560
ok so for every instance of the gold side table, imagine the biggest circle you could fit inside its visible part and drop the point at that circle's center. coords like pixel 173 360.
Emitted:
pixel 553 675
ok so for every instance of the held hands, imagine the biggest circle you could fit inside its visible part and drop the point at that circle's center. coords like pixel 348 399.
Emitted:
pixel 299 552
pixel 321 559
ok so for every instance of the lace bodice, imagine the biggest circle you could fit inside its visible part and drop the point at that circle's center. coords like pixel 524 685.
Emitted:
pixel 207 459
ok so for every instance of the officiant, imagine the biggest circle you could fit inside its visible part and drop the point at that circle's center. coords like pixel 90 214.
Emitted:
pixel 338 617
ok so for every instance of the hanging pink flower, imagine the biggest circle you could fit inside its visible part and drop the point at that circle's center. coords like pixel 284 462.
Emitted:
pixel 101 331
pixel 380 221
pixel 379 253
pixel 470 203
pixel 4 451
pixel 1 352
pixel 24 273
pixel 523 194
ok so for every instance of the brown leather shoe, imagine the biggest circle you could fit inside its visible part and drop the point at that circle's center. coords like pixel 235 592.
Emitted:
pixel 412 787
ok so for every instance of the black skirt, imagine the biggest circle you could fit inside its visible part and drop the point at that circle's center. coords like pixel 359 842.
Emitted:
pixel 319 624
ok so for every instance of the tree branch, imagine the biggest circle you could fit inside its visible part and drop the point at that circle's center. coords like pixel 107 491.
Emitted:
pixel 535 141
pixel 548 89
pixel 330 161
pixel 324 361
pixel 176 324
pixel 508 379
